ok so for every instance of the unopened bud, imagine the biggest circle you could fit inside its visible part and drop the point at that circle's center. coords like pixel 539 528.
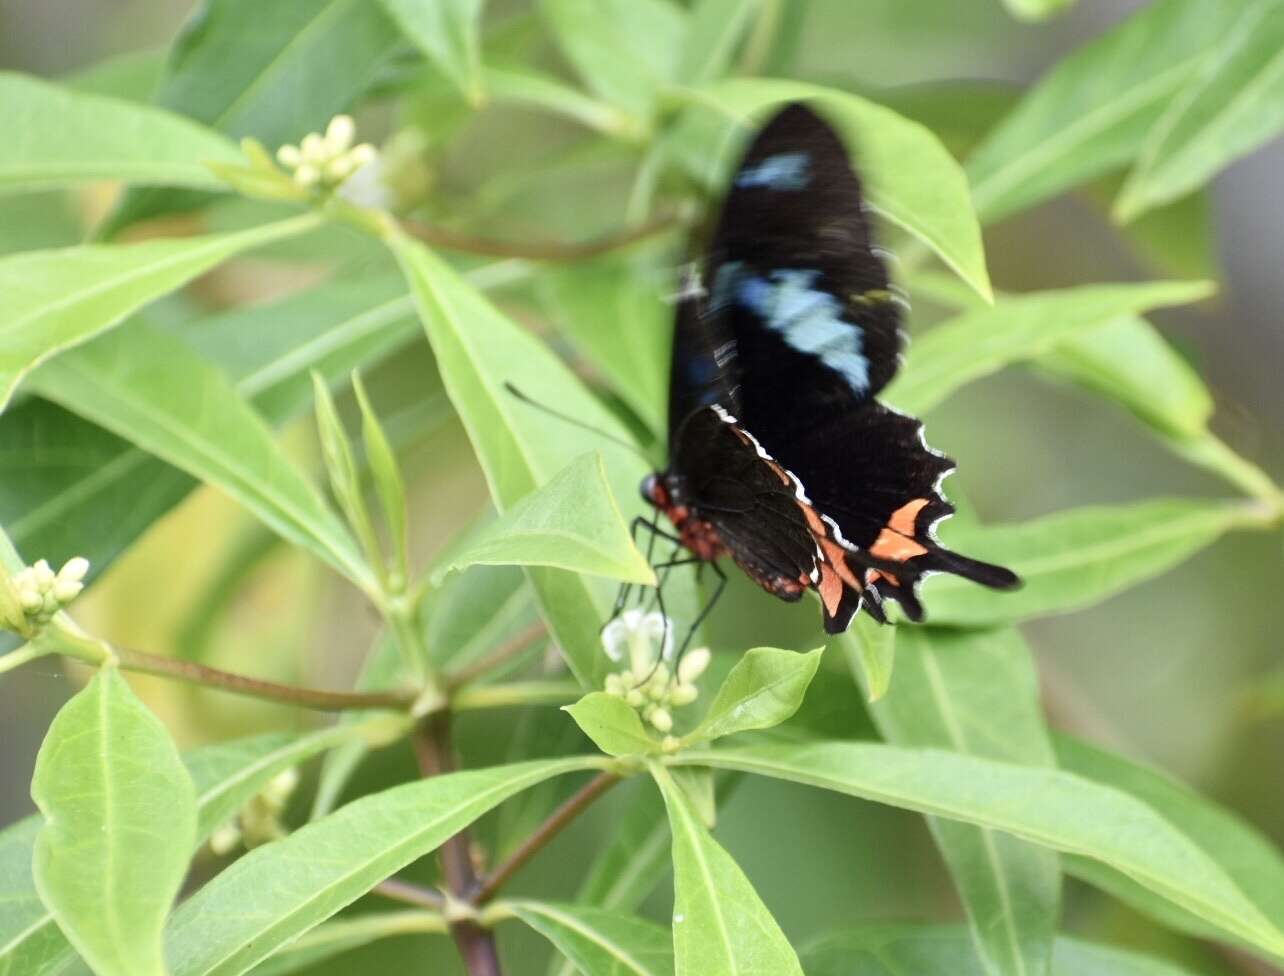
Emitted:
pixel 64 591
pixel 74 569
pixel 338 135
pixel 42 573
pixel 225 839
pixel 662 720
pixel 681 695
pixel 30 597
pixel 289 156
pixel 693 664
pixel 635 697
pixel 671 743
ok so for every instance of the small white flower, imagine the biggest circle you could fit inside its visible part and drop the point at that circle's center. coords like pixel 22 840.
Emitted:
pixel 339 133
pixel 314 148
pixel 661 719
pixel 693 664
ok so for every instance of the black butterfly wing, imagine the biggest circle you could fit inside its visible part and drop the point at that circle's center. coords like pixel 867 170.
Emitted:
pixel 701 371
pixel 801 307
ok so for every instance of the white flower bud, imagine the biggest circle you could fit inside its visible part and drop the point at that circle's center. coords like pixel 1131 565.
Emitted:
pixel 279 787
pixel 338 135
pixel 635 698
pixel 363 155
pixel 671 743
pixel 74 569
pixel 681 695
pixel 30 597
pixel 314 148
pixel 307 175
pixel 662 720
pixel 64 591
pixel 225 839
pixel 23 578
pixel 614 686
pixel 337 169
pixel 693 664
pixel 289 156
pixel 42 573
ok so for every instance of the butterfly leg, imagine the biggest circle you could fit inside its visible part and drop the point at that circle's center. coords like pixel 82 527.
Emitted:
pixel 626 589
pixel 708 607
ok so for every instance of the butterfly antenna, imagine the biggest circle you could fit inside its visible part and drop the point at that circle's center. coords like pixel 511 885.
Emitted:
pixel 576 422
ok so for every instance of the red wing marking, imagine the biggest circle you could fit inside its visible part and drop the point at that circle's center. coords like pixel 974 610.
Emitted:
pixel 830 588
pixel 896 541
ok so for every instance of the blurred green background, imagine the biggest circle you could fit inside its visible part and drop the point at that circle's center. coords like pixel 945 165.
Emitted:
pixel 1161 673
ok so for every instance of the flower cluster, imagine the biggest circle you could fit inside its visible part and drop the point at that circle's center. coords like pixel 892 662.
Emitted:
pixel 42 593
pixel 648 684
pixel 259 821
pixel 325 161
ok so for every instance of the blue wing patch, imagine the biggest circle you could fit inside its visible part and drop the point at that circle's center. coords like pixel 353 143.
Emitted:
pixel 808 318
pixel 783 171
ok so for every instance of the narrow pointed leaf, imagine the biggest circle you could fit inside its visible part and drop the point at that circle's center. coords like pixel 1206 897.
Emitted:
pixel 449 32
pixel 717 28
pixel 764 688
pixel 570 523
pixel 120 816
pixel 1092 112
pixel 982 341
pixel 720 925
pixel 225 775
pixel 943 950
pixel 1234 106
pixel 57 299
pixel 1251 860
pixel 278 892
pixel 149 388
pixel 522 86
pixel 600 942
pixel 976 693
pixel 345 934
pixel 1078 557
pixel 520 447
pixel 1046 806
pixel 69 137
pixel 908 176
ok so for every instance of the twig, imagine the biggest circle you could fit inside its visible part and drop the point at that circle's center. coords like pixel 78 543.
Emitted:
pixel 411 894
pixel 200 674
pixel 436 757
pixel 540 250
pixel 508 649
pixel 549 829
pixel 516 693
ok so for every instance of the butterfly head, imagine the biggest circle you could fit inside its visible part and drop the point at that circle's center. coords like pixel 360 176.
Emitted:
pixel 655 491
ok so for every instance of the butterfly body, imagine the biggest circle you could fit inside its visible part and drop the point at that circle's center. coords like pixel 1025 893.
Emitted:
pixel 780 454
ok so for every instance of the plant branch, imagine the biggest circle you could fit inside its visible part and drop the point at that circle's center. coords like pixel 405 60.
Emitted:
pixel 200 674
pixel 540 250
pixel 410 894
pixel 550 828
pixel 436 757
pixel 500 655
pixel 516 693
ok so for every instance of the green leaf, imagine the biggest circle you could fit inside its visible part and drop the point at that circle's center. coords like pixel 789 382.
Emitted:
pixel 870 649
pixel 57 509
pixel 345 934
pixel 70 137
pixel 623 50
pixel 57 299
pixel 976 692
pixel 1249 858
pixel 979 342
pixel 132 76
pixel 627 868
pixel 1129 361
pixel 764 688
pixel 519 447
pixel 600 942
pixel 1037 9
pixel 720 925
pixel 908 176
pixel 570 523
pixel 120 815
pixel 225 775
pixel 1078 557
pixel 717 28
pixel 522 86
pixel 449 32
pixel 150 388
pixel 234 61
pixel 614 314
pixel 341 466
pixel 612 724
pixel 1177 239
pixel 1235 105
pixel 277 892
pixel 386 472
pixel 1046 806
pixel 943 950
pixel 1092 112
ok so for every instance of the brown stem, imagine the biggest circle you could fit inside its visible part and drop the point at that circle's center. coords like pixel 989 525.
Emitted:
pixel 549 829
pixel 508 649
pixel 411 894
pixel 199 674
pixel 436 757
pixel 539 250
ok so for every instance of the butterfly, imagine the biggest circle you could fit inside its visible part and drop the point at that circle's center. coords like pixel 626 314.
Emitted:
pixel 780 455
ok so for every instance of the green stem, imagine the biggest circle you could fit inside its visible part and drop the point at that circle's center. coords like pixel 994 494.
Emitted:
pixel 515 694
pixel 27 652
pixel 1212 453
pixel 502 653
